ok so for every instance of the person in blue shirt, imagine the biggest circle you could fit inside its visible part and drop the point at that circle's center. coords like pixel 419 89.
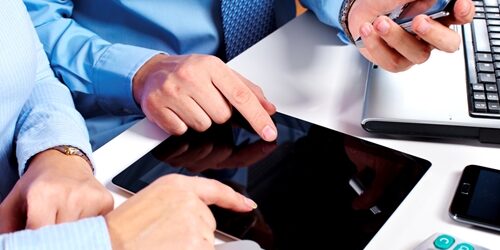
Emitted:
pixel 40 185
pixel 37 115
pixel 124 59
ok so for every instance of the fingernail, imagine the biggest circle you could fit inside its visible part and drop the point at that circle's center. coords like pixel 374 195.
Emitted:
pixel 382 27
pixel 464 9
pixel 250 203
pixel 366 29
pixel 423 26
pixel 269 133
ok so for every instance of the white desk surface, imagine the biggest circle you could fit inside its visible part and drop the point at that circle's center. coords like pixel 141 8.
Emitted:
pixel 294 66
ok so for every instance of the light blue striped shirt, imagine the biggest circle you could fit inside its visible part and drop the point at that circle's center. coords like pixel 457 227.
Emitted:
pixel 97 46
pixel 36 113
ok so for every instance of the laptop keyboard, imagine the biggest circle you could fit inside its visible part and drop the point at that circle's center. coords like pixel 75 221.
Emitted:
pixel 482 51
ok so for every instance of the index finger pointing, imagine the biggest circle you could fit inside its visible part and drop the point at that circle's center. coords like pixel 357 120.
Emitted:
pixel 244 100
pixel 213 192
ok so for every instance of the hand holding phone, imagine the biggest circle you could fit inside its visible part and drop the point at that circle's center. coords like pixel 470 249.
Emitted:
pixel 404 14
pixel 477 198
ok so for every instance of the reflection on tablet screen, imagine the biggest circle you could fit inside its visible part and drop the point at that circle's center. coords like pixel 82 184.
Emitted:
pixel 310 179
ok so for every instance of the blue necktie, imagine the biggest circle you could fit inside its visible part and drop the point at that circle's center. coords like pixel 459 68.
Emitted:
pixel 245 22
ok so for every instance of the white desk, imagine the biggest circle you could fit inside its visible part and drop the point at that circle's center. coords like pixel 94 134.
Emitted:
pixel 294 68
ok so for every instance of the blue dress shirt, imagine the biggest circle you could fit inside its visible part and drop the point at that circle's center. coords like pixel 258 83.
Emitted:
pixel 97 46
pixel 36 113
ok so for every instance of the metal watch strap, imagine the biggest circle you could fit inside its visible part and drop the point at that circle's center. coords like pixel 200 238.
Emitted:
pixel 70 150
pixel 343 18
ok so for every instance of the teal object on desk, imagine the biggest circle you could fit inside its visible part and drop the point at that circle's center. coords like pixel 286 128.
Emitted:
pixel 444 241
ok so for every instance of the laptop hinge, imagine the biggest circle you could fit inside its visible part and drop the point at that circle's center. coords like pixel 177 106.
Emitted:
pixel 489 135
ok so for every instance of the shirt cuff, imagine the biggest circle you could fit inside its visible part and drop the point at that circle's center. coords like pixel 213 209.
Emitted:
pixel 114 73
pixel 52 121
pixel 328 12
pixel 91 233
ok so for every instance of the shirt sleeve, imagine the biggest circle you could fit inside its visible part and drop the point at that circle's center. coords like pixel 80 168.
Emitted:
pixel 84 234
pixel 48 118
pixel 327 11
pixel 87 64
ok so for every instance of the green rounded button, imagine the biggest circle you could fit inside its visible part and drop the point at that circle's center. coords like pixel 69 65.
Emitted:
pixel 444 241
pixel 464 246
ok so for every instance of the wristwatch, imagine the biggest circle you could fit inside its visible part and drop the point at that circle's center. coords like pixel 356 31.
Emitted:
pixel 70 150
pixel 344 15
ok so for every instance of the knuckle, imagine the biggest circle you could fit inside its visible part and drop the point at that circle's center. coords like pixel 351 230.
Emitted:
pixel 202 125
pixel 450 43
pixel 241 95
pixel 177 129
pixel 149 104
pixel 257 89
pixel 211 60
pixel 172 179
pixel 454 46
pixel 42 191
pixel 214 186
pixel 196 243
pixel 259 116
pixel 170 90
pixel 397 64
pixel 107 200
pixel 191 202
pixel 371 47
pixel 185 72
pixel 223 115
pixel 391 67
pixel 423 56
pixel 177 182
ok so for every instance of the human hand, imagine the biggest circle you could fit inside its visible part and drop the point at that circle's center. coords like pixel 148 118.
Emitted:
pixel 390 46
pixel 172 213
pixel 177 92
pixel 56 188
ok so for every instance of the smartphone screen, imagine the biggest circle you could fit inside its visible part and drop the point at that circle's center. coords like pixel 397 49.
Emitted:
pixel 477 198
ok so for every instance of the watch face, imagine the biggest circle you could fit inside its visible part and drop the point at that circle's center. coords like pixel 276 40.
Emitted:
pixel 70 150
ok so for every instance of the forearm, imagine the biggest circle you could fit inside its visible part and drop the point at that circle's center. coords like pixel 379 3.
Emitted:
pixel 89 65
pixel 48 118
pixel 84 234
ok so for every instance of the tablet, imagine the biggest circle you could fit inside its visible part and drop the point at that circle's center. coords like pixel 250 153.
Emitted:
pixel 315 187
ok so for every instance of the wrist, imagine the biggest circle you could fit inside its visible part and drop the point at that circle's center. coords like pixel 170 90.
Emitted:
pixel 54 157
pixel 140 77
pixel 73 151
pixel 345 10
pixel 117 240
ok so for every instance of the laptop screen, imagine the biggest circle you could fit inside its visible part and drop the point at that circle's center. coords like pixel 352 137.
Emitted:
pixel 315 187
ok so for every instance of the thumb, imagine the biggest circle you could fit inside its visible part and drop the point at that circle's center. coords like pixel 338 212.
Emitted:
pixel 363 11
pixel 213 192
pixel 12 213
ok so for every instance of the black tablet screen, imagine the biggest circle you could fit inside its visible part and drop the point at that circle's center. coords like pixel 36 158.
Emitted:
pixel 315 187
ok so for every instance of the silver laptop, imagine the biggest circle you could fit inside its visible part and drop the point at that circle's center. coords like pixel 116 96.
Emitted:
pixel 451 95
